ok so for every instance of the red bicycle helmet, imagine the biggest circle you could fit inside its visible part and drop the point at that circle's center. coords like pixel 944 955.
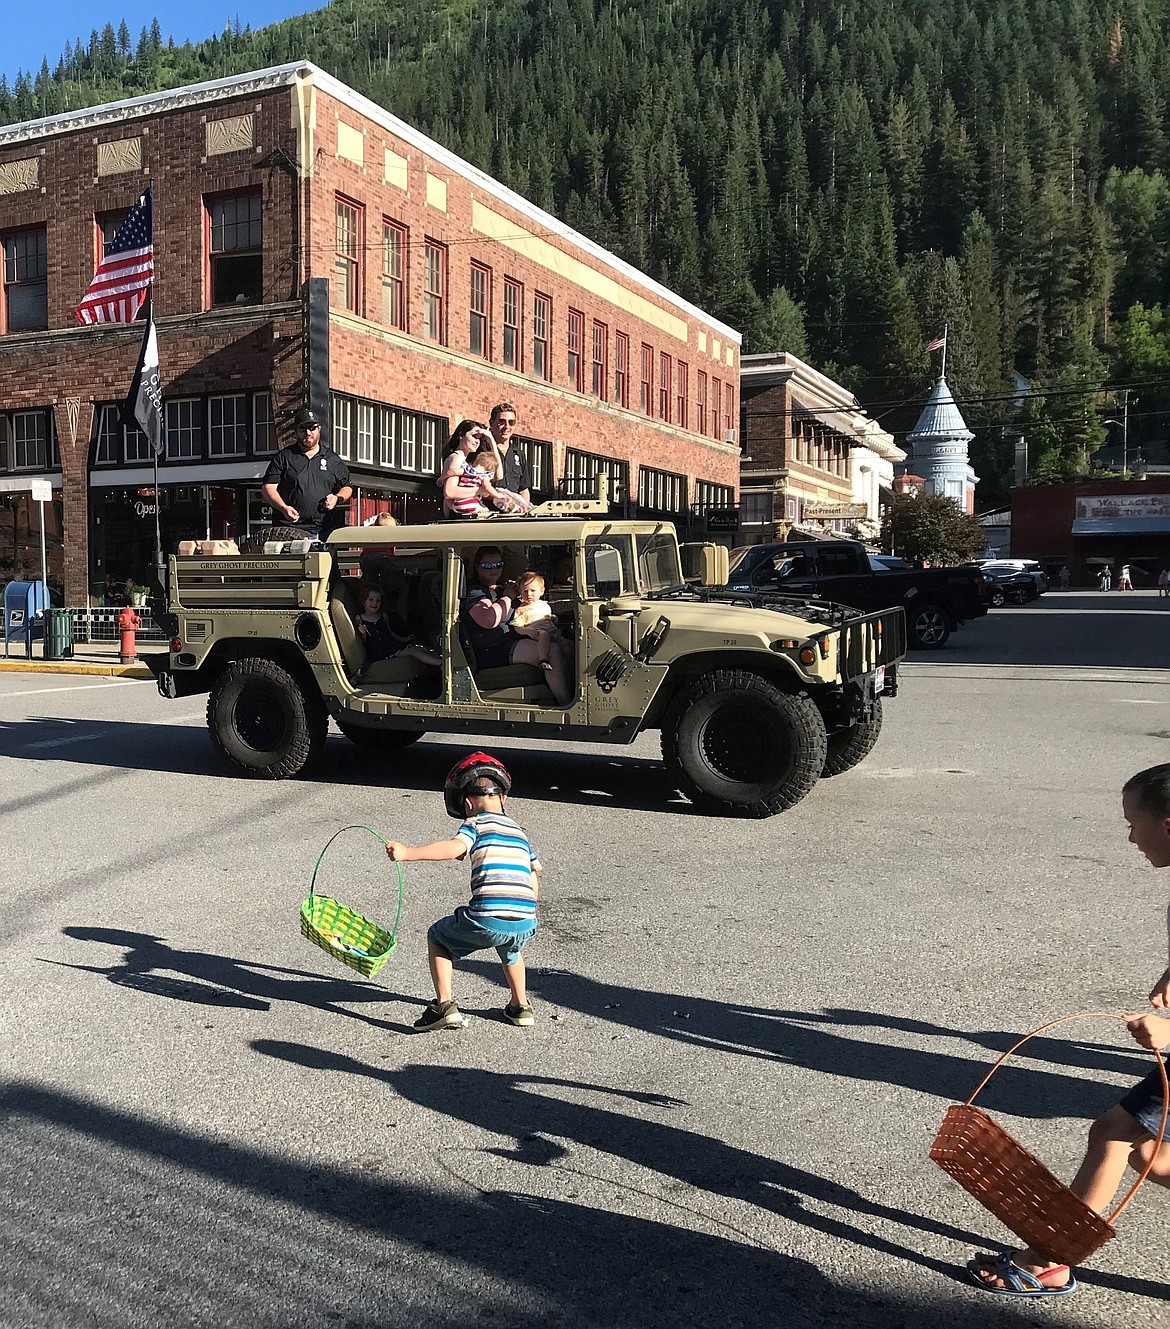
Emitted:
pixel 478 766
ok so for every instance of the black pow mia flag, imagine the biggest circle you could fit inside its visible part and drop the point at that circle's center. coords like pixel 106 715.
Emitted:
pixel 143 406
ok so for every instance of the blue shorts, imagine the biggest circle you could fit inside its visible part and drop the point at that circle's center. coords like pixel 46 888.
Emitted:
pixel 1144 1103
pixel 461 934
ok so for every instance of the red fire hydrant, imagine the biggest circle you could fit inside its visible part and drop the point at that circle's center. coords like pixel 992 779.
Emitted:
pixel 128 625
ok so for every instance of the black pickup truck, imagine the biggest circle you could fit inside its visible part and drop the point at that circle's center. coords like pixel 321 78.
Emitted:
pixel 936 600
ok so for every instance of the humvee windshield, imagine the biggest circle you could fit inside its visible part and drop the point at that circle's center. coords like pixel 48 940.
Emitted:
pixel 619 564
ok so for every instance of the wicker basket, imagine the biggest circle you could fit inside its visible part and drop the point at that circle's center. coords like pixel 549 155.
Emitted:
pixel 342 932
pixel 1015 1186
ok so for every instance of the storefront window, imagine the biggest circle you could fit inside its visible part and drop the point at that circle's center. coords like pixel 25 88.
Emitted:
pixel 365 433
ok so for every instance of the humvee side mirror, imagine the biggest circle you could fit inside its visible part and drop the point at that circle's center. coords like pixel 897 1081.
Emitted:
pixel 605 569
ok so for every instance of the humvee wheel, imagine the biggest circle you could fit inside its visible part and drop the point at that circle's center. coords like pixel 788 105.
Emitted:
pixel 854 744
pixel 734 743
pixel 261 720
pixel 382 740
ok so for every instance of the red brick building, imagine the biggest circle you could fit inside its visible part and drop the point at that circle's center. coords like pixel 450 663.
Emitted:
pixel 309 246
pixel 1093 524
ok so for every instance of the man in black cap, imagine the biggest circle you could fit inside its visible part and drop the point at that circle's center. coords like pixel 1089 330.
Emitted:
pixel 306 481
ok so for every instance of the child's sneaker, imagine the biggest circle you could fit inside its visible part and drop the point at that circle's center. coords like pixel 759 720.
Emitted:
pixel 440 1015
pixel 517 1014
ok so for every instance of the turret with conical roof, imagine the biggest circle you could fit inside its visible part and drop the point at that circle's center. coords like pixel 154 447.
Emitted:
pixel 939 442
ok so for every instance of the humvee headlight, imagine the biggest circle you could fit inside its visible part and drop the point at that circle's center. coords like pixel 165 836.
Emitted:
pixel 807 656
pixel 177 644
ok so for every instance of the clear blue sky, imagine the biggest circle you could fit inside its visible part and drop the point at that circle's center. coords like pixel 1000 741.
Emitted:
pixel 34 30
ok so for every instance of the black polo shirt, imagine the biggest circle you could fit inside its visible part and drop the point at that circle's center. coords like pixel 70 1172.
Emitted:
pixel 304 482
pixel 515 469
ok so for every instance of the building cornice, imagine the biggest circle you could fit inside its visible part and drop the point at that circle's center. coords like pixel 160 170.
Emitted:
pixel 300 71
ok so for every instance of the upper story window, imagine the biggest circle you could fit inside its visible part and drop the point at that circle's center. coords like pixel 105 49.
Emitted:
pixel 481 301
pixel 347 258
pixel 26 289
pixel 235 249
pixel 716 400
pixel 646 395
pixel 621 369
pixel 107 228
pixel 227 425
pixel 435 293
pixel 700 401
pixel 394 238
pixel 513 333
pixel 576 360
pixel 108 437
pixel 664 386
pixel 600 359
pixel 541 317
pixel 729 416
pixel 184 429
pixel 31 441
pixel 264 438
pixel 661 491
pixel 681 388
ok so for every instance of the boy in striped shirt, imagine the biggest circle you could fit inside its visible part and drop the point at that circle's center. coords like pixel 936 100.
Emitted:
pixel 504 889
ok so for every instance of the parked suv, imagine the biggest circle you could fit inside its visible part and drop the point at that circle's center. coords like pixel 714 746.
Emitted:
pixel 756 695
pixel 1014 580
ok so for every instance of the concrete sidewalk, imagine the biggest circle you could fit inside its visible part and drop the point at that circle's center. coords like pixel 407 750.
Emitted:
pixel 95 657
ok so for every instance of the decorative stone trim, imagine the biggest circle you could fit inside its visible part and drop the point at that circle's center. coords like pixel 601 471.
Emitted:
pixel 20 176
pixel 123 154
pixel 236 133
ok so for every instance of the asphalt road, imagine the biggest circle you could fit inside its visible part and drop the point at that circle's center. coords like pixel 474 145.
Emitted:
pixel 747 1032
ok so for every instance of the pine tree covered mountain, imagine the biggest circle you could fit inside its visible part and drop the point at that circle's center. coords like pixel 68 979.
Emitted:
pixel 835 179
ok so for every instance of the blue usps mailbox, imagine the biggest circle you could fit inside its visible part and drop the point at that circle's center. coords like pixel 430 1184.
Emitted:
pixel 24 612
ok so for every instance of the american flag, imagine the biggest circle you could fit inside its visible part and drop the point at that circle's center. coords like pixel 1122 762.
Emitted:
pixel 124 275
pixel 938 343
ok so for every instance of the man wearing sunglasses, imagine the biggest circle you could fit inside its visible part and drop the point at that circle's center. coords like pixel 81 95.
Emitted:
pixel 515 476
pixel 306 481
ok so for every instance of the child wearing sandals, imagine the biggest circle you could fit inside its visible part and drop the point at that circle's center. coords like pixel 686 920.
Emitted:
pixel 533 611
pixel 1126 1135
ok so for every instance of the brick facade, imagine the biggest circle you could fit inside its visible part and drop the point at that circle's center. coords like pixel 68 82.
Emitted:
pixel 302 142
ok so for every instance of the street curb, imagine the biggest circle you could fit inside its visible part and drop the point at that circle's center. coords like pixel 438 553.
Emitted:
pixel 68 667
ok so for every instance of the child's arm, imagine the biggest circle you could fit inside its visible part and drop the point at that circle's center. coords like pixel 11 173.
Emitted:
pixel 1149 1031
pixel 1160 996
pixel 438 852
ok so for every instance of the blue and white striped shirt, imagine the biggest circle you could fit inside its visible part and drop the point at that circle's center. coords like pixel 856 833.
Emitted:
pixel 503 868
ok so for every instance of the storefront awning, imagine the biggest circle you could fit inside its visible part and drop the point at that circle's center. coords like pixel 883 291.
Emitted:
pixel 1121 526
pixel 840 422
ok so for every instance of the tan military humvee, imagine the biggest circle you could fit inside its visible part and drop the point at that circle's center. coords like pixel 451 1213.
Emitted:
pixel 756 695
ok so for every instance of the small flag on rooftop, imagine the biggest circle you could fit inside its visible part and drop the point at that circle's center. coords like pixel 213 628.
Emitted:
pixel 938 344
pixel 120 283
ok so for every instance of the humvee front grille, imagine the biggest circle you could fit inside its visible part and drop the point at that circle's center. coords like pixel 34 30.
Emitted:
pixel 872 640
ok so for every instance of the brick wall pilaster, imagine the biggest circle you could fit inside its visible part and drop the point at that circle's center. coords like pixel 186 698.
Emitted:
pixel 73 418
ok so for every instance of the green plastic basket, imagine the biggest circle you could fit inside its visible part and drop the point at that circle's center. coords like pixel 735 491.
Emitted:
pixel 342 932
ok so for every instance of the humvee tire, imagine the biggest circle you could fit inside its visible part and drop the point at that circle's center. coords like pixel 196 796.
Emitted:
pixel 929 627
pixel 383 740
pixel 260 719
pixel 735 743
pixel 852 745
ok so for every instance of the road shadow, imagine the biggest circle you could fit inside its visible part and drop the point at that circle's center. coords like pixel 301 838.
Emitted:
pixel 148 962
pixel 298 1243
pixel 562 775
pixel 516 1107
pixel 812 1041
